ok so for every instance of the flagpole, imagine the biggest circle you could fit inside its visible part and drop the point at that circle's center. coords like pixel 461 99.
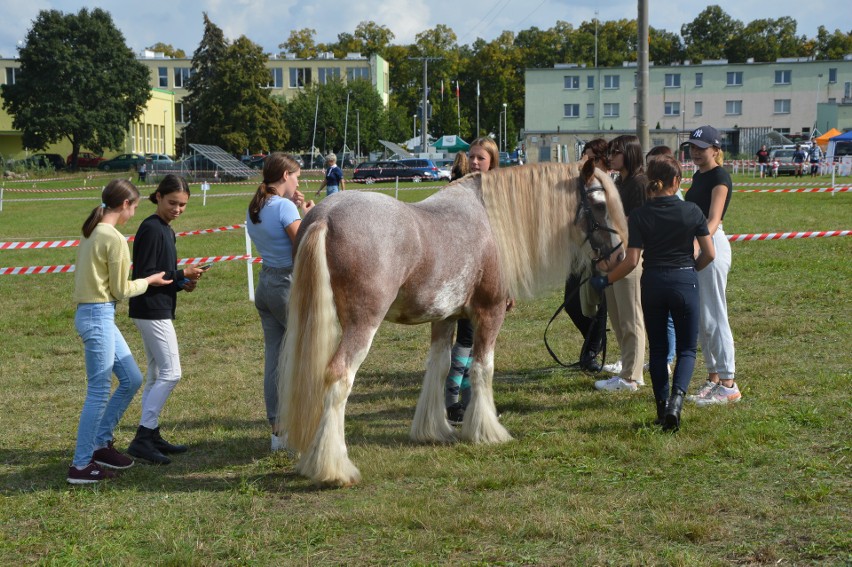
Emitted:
pixel 458 105
pixel 477 109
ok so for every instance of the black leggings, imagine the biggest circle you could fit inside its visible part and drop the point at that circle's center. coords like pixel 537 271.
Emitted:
pixel 592 328
pixel 464 333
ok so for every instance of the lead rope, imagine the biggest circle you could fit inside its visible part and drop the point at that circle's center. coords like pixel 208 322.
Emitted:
pixel 585 341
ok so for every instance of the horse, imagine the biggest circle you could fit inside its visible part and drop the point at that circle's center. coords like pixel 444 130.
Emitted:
pixel 361 258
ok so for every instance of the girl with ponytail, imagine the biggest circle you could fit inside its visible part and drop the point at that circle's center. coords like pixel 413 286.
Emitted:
pixel 662 232
pixel 100 280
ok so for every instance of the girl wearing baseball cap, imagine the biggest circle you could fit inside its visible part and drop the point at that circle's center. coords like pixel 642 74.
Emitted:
pixel 711 190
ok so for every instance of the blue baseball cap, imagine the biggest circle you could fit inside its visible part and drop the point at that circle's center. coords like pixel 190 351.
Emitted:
pixel 704 137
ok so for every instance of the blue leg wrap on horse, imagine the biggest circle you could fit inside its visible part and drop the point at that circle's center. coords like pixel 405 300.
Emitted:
pixel 456 377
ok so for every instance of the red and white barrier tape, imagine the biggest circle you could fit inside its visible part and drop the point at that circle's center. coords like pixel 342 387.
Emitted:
pixel 28 270
pixel 34 245
pixel 800 190
pixel 68 268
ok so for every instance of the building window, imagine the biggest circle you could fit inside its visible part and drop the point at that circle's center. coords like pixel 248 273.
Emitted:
pixel 783 77
pixel 699 108
pixel 611 81
pixel 782 130
pixel 590 82
pixel 10 75
pixel 571 82
pixel 735 79
pixel 354 73
pixel 610 109
pixel 699 80
pixel 590 110
pixel 832 75
pixel 276 79
pixel 672 80
pixel 328 74
pixel 782 106
pixel 182 75
pixel 571 110
pixel 163 76
pixel 179 116
pixel 300 77
pixel 733 107
pixel 672 109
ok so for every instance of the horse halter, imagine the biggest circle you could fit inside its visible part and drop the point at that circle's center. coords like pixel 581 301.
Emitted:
pixel 584 211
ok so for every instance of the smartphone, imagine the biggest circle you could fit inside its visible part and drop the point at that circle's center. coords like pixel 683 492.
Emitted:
pixel 206 267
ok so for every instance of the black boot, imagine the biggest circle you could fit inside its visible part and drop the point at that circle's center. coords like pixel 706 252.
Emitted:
pixel 671 419
pixel 661 412
pixel 142 447
pixel 589 362
pixel 164 446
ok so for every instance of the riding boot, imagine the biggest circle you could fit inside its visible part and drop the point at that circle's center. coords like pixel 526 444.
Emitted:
pixel 589 362
pixel 661 412
pixel 671 419
pixel 164 446
pixel 142 447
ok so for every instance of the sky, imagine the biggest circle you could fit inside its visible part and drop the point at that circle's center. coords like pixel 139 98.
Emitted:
pixel 268 22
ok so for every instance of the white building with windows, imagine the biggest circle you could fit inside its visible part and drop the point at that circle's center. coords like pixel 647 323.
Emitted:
pixel 745 100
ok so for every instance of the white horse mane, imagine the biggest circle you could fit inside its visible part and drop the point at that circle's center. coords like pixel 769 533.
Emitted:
pixel 532 210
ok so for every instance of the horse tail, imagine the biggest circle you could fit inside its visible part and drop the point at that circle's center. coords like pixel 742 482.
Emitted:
pixel 312 335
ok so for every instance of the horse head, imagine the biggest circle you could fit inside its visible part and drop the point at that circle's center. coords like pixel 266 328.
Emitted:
pixel 600 214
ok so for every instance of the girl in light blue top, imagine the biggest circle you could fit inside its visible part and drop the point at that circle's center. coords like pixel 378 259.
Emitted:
pixel 272 222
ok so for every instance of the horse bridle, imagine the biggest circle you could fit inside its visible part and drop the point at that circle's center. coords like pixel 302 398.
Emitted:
pixel 584 210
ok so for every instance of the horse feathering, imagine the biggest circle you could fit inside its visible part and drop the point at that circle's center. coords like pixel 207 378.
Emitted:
pixel 527 209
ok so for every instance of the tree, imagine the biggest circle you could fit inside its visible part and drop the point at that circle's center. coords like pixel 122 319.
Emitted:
pixel 301 42
pixel 706 36
pixel 167 50
pixel 253 121
pixel 665 47
pixel 374 37
pixel 78 81
pixel 200 102
pixel 332 127
pixel 832 46
pixel 766 40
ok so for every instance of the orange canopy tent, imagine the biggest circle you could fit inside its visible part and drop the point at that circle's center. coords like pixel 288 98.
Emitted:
pixel 822 141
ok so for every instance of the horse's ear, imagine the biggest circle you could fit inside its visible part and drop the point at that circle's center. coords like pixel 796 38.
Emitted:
pixel 588 170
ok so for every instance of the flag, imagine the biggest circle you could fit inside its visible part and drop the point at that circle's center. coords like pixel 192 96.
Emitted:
pixel 458 94
pixel 477 88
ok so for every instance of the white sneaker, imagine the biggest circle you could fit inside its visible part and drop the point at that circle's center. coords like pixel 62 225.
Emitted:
pixel 640 381
pixel 613 367
pixel 704 391
pixel 616 383
pixel 721 395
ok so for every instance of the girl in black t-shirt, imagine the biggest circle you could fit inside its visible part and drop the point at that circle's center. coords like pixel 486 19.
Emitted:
pixel 662 231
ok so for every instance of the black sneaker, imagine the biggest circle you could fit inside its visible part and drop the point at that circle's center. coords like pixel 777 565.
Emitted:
pixel 110 458
pixel 455 414
pixel 89 475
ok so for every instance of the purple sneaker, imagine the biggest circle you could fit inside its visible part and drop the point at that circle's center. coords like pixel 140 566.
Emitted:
pixel 110 458
pixel 89 475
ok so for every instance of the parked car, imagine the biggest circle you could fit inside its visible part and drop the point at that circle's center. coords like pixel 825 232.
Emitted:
pixel 414 169
pixel 159 159
pixel 445 169
pixel 785 160
pixel 85 160
pixel 42 161
pixel 122 162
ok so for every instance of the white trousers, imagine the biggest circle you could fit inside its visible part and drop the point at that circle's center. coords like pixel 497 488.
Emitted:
pixel 164 372
pixel 714 331
pixel 624 307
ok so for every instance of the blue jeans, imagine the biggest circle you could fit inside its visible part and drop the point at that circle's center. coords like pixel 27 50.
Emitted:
pixel 670 292
pixel 106 352
pixel 272 299
pixel 331 189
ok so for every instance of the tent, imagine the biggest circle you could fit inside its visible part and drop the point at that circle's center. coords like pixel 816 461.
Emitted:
pixel 845 139
pixel 822 141
pixel 451 144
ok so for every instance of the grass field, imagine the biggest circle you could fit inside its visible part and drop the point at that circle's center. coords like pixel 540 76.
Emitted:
pixel 588 479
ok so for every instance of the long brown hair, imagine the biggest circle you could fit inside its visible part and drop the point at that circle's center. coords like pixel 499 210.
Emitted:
pixel 662 171
pixel 171 183
pixel 628 145
pixel 112 197
pixel 461 166
pixel 274 167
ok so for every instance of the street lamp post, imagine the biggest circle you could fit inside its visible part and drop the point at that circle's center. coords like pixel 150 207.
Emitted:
pixel 414 125
pixel 505 126
pixel 358 129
